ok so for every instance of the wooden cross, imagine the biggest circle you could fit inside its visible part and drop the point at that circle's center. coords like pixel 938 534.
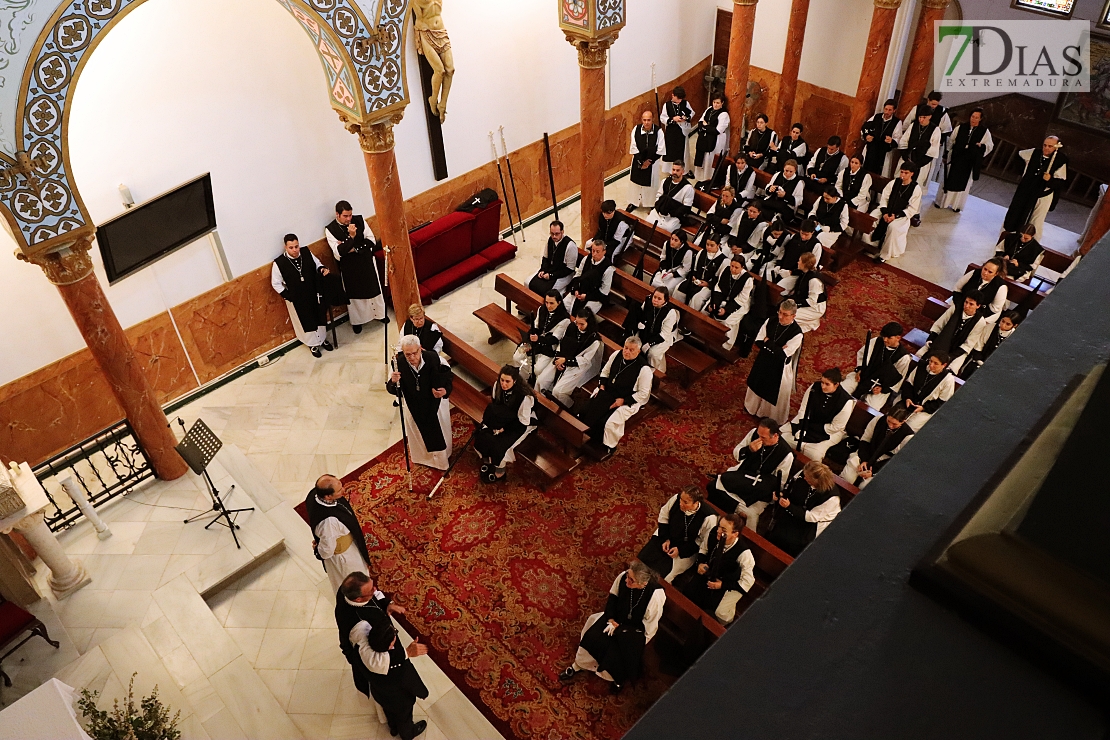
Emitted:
pixel 24 166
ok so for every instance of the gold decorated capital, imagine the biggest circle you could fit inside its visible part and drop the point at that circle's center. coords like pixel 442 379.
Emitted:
pixel 66 265
pixel 752 2
pixel 592 53
pixel 937 4
pixel 888 4
pixel 374 138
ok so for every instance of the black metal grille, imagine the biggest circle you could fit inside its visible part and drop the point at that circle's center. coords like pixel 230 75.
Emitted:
pixel 105 466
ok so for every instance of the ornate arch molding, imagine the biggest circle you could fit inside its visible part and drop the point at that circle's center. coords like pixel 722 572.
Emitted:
pixel 363 61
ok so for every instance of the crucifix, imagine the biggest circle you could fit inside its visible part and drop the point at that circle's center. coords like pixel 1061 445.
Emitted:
pixel 24 166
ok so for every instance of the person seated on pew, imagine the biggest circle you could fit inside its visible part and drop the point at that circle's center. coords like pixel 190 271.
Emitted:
pixel 883 438
pixel 549 324
pixel 646 149
pixel 592 281
pixel 709 263
pixel 655 322
pixel 685 522
pixel 612 229
pixel 822 417
pixel 725 565
pixel 576 361
pixel 769 247
pixel 807 290
pixel 673 201
pixel 1020 252
pixel 761 143
pixel 959 334
pixel 881 367
pixel 899 202
pixel 920 144
pixel 725 214
pixel 830 212
pixel 624 388
pixel 418 324
pixel 738 175
pixel 675 263
pixel 1000 331
pixel 792 147
pixel 763 467
pixel 771 379
pixel 854 184
pixel 612 641
pixel 557 265
pixel 748 231
pixel 803 509
pixel 713 135
pixel 731 298
pixel 926 389
pixel 826 165
pixel 784 192
pixel 507 420
pixel 989 284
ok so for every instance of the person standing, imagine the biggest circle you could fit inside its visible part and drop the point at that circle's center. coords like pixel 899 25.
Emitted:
pixel 647 148
pixel 771 380
pixel 676 119
pixel 424 381
pixel 1044 176
pixel 968 146
pixel 382 669
pixel 920 145
pixel 881 134
pixel 352 243
pixel 295 276
pixel 712 138
pixel 337 539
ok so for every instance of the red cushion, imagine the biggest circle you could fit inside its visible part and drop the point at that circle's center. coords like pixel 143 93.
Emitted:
pixel 499 253
pixel 426 295
pixel 13 620
pixel 453 277
pixel 442 244
pixel 487 226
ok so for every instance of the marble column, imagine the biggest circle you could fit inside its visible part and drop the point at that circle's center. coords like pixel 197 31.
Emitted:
pixel 591 94
pixel 874 67
pixel 920 66
pixel 739 67
pixel 70 269
pixel 1098 226
pixel 788 80
pixel 377 144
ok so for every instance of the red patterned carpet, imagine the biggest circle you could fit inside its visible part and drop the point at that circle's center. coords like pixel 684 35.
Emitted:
pixel 498 579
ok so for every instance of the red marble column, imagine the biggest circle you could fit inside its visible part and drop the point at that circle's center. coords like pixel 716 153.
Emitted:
pixel 1100 224
pixel 874 67
pixel 70 269
pixel 592 99
pixel 739 66
pixel 389 207
pixel 921 56
pixel 788 80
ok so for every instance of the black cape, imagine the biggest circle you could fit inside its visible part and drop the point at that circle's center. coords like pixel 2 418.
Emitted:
pixel 417 391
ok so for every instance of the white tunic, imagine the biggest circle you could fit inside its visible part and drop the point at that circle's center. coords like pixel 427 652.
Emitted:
pixel 586 662
pixel 418 451
pixel 974 342
pixel 957 199
pixel 863 199
pixel 338 565
pixel 850 473
pixel 641 392
pixel 897 231
pixel 780 410
pixel 834 429
pixel 361 310
pixel 875 400
pixel 944 390
pixel 684 196
pixel 681 565
pixel 1001 296
pixel 309 339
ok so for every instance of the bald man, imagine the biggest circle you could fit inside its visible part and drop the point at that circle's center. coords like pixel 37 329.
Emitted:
pixel 337 541
pixel 1046 170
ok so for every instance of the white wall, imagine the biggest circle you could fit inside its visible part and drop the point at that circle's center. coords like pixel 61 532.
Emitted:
pixel 183 87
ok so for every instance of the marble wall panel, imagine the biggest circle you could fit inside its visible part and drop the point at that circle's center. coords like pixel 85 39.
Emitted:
pixel 233 324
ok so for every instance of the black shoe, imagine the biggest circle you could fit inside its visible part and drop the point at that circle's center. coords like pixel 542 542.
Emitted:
pixel 485 468
pixel 568 675
pixel 608 453
pixel 935 204
pixel 419 727
pixel 315 351
pixel 356 328
pixel 392 731
pixel 327 346
pixel 615 688
pixel 631 208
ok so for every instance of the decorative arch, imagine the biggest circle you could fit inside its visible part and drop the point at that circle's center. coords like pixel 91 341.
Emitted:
pixel 363 61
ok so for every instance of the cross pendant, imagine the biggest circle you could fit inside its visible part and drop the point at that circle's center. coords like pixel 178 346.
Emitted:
pixel 755 479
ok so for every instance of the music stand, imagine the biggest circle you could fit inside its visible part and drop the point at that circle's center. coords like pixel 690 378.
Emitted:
pixel 199 445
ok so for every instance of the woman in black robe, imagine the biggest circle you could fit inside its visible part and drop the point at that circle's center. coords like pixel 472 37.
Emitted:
pixel 1020 251
pixel 970 143
pixel 506 421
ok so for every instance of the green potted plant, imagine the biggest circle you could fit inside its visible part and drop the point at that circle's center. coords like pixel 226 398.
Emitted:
pixel 150 721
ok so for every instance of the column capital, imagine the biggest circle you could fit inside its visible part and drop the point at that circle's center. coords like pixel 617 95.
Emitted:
pixel 64 266
pixel 374 138
pixel 750 2
pixel 890 4
pixel 937 4
pixel 591 52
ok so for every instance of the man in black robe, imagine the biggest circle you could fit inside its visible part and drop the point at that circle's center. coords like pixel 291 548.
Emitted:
pixel 724 564
pixel 822 417
pixel 647 148
pixel 1045 174
pixel 424 381
pixel 674 546
pixel 612 229
pixel 826 166
pixel 353 245
pixel 560 257
pixel 382 668
pixel 676 117
pixel 612 643
pixel 883 437
pixel 297 277
pixel 771 379
pixel 624 388
pixel 763 466
pixel 881 134
pixel 337 539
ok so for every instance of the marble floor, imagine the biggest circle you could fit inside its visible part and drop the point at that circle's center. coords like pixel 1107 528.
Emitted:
pixel 255 656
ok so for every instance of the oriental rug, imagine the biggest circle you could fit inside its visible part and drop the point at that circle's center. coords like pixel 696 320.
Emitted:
pixel 499 578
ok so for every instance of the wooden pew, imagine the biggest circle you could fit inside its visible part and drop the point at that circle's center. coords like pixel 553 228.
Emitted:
pixel 552 448
pixel 1021 294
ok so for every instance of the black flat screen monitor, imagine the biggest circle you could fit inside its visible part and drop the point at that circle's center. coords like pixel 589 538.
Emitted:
pixel 152 230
